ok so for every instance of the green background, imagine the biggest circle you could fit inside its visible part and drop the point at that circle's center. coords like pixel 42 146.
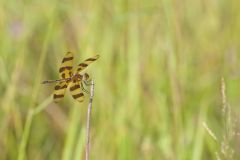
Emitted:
pixel 157 82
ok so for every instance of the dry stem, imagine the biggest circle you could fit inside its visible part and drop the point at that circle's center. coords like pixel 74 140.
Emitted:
pixel 88 120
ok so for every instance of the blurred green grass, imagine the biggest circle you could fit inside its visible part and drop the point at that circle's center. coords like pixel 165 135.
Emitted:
pixel 157 80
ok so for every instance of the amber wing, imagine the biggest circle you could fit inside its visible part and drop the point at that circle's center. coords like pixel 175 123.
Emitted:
pixel 65 69
pixel 59 91
pixel 85 63
pixel 76 91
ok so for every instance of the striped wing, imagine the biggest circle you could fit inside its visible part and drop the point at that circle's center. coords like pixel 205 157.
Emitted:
pixel 76 91
pixel 65 69
pixel 84 64
pixel 59 91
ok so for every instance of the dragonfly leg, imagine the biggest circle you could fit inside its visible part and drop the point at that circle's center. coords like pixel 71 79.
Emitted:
pixel 87 82
pixel 84 90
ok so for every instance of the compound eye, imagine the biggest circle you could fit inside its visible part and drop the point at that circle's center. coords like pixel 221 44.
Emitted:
pixel 86 76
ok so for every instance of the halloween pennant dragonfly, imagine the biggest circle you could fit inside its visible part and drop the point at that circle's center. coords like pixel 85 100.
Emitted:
pixel 71 78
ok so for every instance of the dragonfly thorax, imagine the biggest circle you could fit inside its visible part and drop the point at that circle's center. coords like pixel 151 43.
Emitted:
pixel 76 77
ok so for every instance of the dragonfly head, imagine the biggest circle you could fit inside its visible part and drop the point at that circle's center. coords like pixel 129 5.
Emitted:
pixel 85 77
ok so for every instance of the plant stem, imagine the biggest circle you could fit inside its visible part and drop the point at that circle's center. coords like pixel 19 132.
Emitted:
pixel 88 120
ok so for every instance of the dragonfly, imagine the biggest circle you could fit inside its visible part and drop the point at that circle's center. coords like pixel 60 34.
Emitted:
pixel 72 78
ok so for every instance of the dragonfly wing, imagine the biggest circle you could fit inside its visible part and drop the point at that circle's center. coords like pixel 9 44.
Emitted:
pixel 76 91
pixel 59 91
pixel 65 69
pixel 85 63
